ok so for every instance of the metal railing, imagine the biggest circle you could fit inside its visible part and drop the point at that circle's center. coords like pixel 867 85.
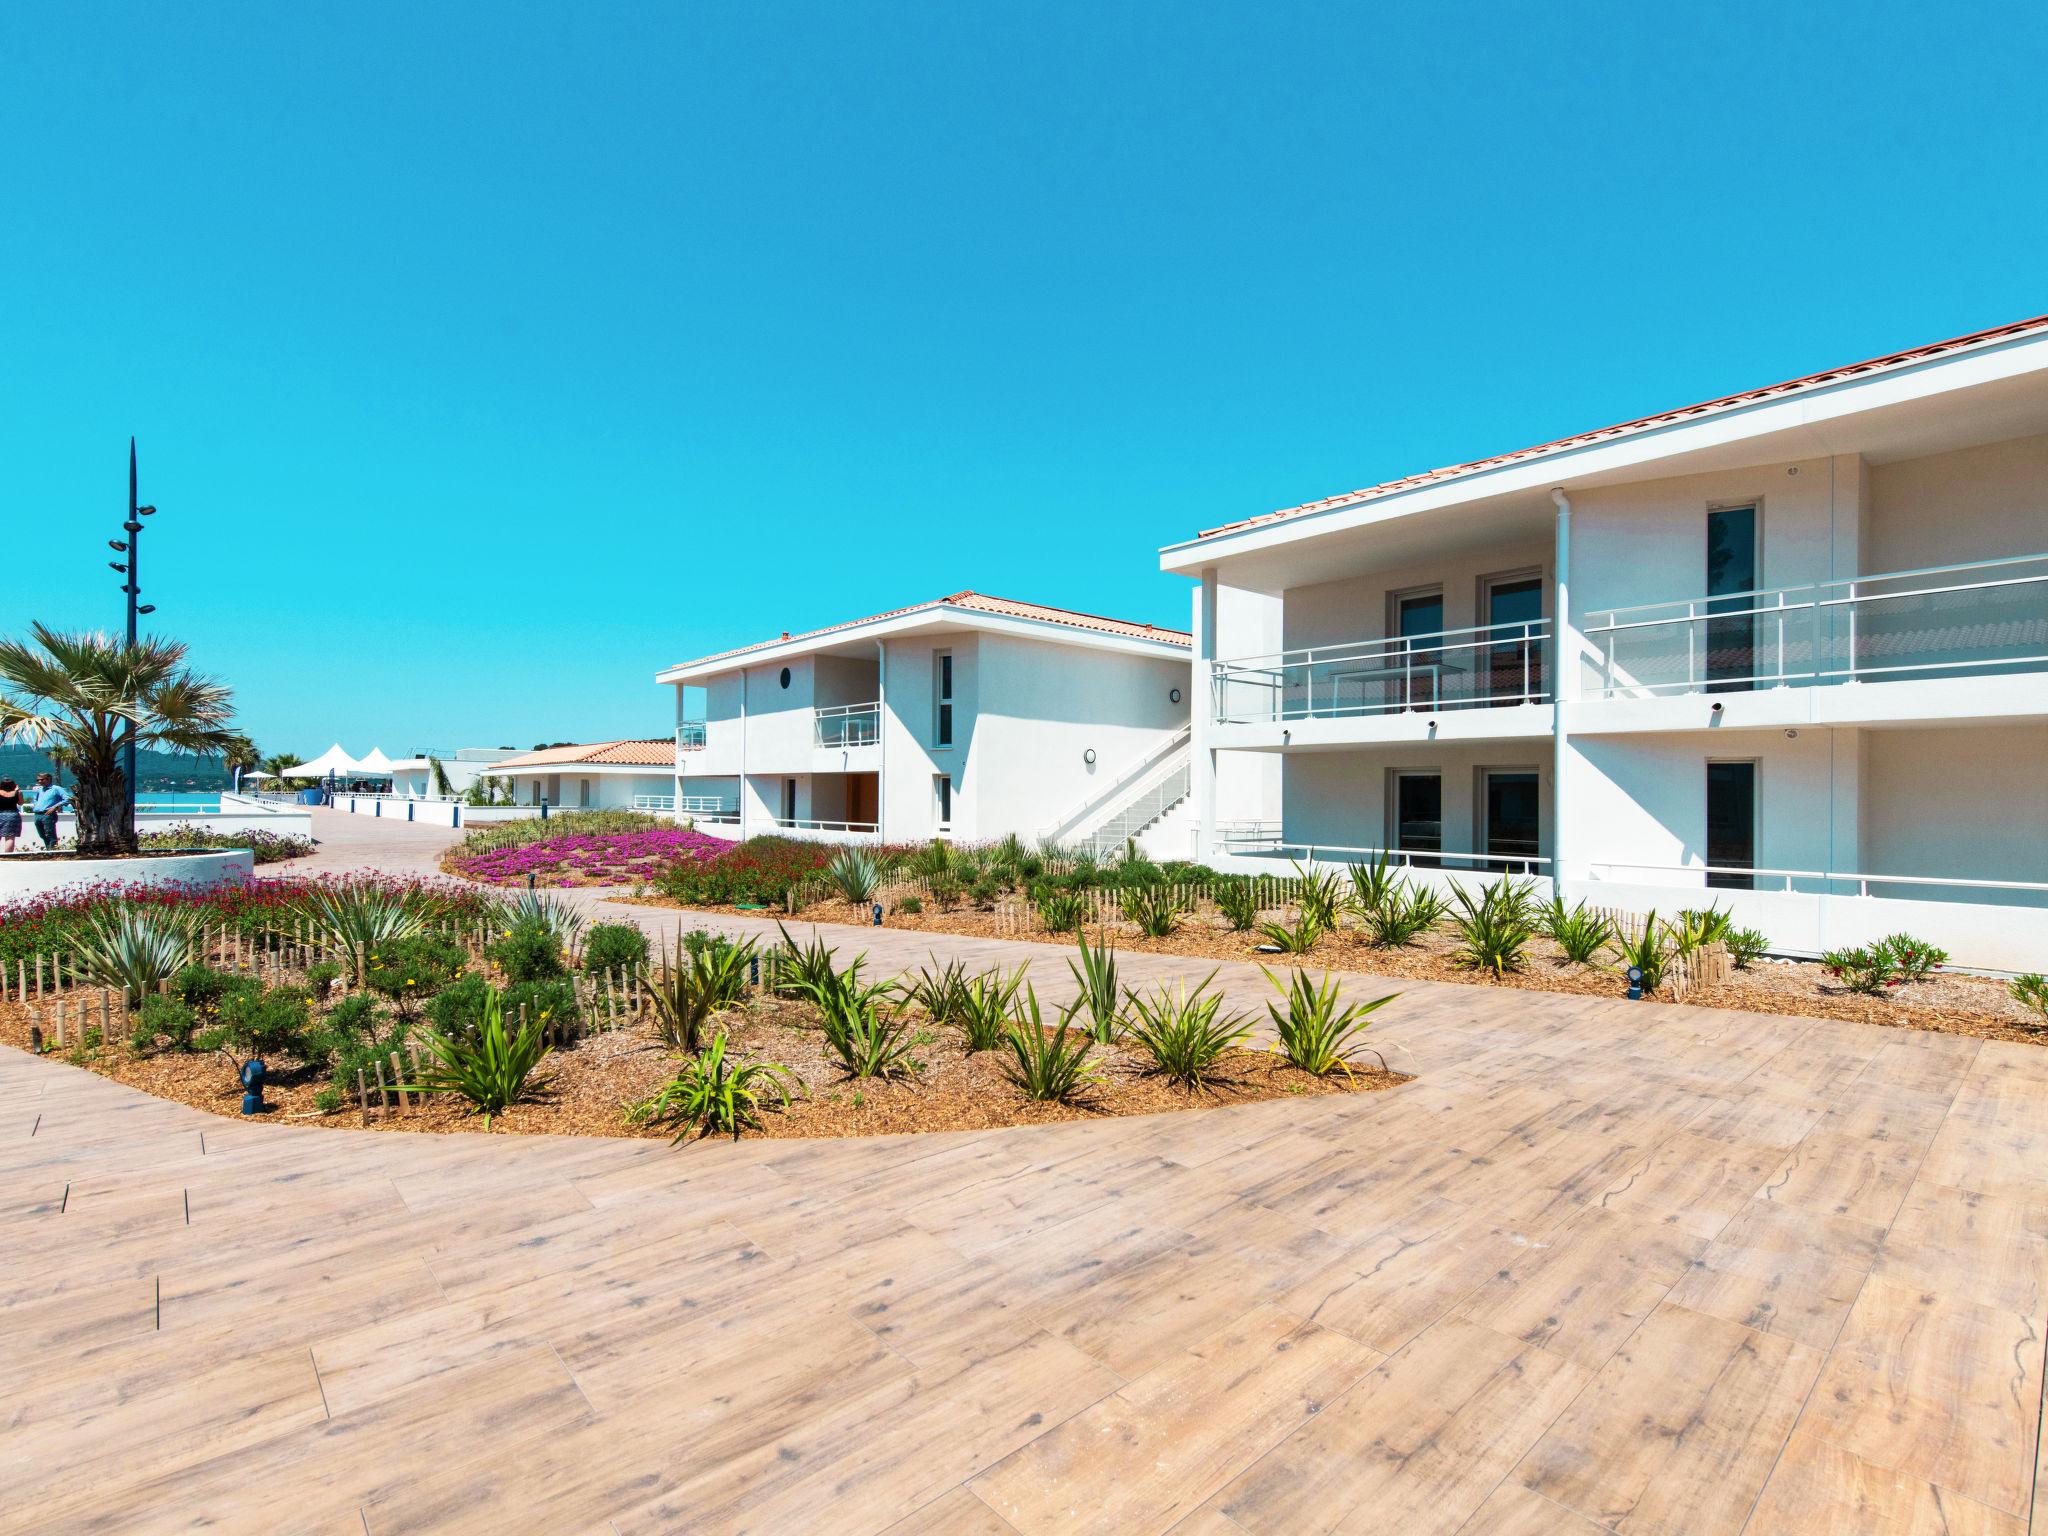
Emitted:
pixel 690 736
pixel 849 725
pixel 1097 799
pixel 802 824
pixel 1140 813
pixel 1256 838
pixel 1984 618
pixel 1474 668
pixel 1789 881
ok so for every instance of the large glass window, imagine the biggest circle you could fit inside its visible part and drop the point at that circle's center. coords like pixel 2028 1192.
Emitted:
pixel 1419 816
pixel 1731 824
pixel 1418 615
pixel 1508 819
pixel 942 791
pixel 1732 578
pixel 942 694
pixel 1514 661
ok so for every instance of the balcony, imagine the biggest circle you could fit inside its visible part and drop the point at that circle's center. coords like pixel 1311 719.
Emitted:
pixel 690 736
pixel 1390 689
pixel 848 725
pixel 1984 620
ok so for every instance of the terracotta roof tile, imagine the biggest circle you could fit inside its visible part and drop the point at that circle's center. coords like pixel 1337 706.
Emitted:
pixel 639 754
pixel 976 602
pixel 1666 418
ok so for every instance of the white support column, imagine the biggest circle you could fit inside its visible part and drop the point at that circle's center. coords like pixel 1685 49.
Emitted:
pixel 741 801
pixel 1202 715
pixel 882 741
pixel 676 811
pixel 1564 687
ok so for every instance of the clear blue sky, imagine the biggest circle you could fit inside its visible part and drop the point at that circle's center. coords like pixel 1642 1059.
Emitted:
pixel 485 358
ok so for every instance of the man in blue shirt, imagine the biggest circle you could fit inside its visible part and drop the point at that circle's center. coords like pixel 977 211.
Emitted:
pixel 46 800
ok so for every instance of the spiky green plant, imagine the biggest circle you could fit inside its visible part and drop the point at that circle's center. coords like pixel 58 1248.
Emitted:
pixel 800 969
pixel 544 909
pixel 1322 895
pixel 1579 931
pixel 1374 883
pixel 1702 926
pixel 1049 1065
pixel 856 874
pixel 690 985
pixel 1154 908
pixel 1494 928
pixel 1238 901
pixel 1746 946
pixel 939 994
pixel 1297 938
pixel 716 1095
pixel 1184 1032
pixel 870 1038
pixel 490 1067
pixel 2031 989
pixel 354 921
pixel 1317 1028
pixel 1648 952
pixel 1095 975
pixel 134 948
pixel 1405 916
pixel 986 1008
pixel 1062 911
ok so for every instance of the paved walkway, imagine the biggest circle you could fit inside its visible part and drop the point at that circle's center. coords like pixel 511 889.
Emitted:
pixel 1602 1267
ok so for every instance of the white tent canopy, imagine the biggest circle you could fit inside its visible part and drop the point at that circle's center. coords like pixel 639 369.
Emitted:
pixel 250 775
pixel 374 764
pixel 333 761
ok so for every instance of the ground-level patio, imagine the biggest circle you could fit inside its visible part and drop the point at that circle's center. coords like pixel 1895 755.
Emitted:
pixel 1602 1266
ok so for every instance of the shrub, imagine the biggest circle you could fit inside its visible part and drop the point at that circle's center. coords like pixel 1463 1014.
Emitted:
pixel 855 874
pixel 490 1066
pixel 1646 952
pixel 1494 928
pixel 1317 1028
pixel 1912 959
pixel 1700 927
pixel 328 1100
pixel 984 891
pixel 911 904
pixel 172 1018
pixel 986 1006
pixel 1746 946
pixel 134 948
pixel 265 847
pixel 1049 1066
pixel 1579 931
pixel 714 1095
pixel 355 1017
pixel 350 1054
pixel 1238 901
pixel 1184 1032
pixel 260 1022
pixel 414 969
pixel 528 951
pixel 1322 896
pixel 868 1038
pixel 1095 975
pixel 544 909
pixel 1868 971
pixel 202 987
pixel 1154 908
pixel 758 872
pixel 2032 990
pixel 1405 916
pixel 1373 885
pixel 698 983
pixel 946 888
pixel 799 972
pixel 321 977
pixel 940 994
pixel 359 919
pixel 614 947
pixel 1298 939
pixel 1062 911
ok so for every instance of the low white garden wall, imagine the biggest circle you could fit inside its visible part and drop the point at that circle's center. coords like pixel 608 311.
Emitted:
pixel 204 869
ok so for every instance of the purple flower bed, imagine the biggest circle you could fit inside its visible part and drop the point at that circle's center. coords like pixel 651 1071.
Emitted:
pixel 593 858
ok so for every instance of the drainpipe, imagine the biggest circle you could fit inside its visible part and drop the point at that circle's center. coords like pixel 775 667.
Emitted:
pixel 1563 678
pixel 882 742
pixel 741 805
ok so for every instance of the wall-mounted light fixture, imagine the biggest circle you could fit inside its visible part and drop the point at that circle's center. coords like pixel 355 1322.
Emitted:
pixel 1173 695
pixel 1088 756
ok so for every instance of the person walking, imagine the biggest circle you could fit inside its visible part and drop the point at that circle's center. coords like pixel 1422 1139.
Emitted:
pixel 48 798
pixel 10 814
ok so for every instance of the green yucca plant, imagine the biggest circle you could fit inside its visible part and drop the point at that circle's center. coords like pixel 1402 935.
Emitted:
pixel 694 983
pixel 1296 939
pixel 1405 916
pixel 355 920
pixel 1322 895
pixel 1493 928
pixel 491 1067
pixel 1317 1029
pixel 940 995
pixel 1183 1032
pixel 2031 989
pixel 986 1007
pixel 1705 925
pixel 715 1095
pixel 1648 952
pixel 1048 1065
pixel 134 948
pixel 1062 911
pixel 1154 908
pixel 544 909
pixel 1238 901
pixel 855 874
pixel 1579 931
pixel 870 1038
pixel 801 969
pixel 1374 883
pixel 1095 975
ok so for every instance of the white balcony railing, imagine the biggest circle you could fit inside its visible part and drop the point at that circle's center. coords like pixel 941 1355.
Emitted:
pixel 849 725
pixel 803 826
pixel 1254 839
pixel 1980 619
pixel 2025 893
pixel 690 736
pixel 1491 664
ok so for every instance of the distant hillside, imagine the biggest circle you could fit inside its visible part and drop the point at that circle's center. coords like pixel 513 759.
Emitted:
pixel 153 770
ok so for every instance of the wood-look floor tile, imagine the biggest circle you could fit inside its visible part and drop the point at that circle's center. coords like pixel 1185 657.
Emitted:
pixel 1819 1489
pixel 1782 1271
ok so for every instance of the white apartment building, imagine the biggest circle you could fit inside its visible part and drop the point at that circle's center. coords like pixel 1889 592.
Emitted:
pixel 1786 652
pixel 593 776
pixel 966 717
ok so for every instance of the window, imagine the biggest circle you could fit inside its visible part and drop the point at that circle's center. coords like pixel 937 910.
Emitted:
pixel 942 792
pixel 1416 615
pixel 1508 826
pixel 1731 824
pixel 1513 606
pixel 789 799
pixel 942 696
pixel 583 794
pixel 1732 576
pixel 1418 815
pixel 784 679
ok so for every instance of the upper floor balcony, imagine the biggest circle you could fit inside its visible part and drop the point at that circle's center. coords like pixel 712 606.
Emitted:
pixel 848 725
pixel 1485 680
pixel 690 736
pixel 1951 641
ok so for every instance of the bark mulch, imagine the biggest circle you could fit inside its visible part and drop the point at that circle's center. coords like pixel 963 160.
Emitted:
pixel 592 1082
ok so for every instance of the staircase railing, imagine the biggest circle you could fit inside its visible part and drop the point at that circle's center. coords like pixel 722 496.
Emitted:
pixel 1106 798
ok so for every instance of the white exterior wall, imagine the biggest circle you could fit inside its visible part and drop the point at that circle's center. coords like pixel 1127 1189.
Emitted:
pixel 1963 802
pixel 609 788
pixel 1340 799
pixel 1356 608
pixel 1986 503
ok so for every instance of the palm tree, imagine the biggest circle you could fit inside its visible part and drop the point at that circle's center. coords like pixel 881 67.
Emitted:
pixel 240 752
pixel 280 765
pixel 87 696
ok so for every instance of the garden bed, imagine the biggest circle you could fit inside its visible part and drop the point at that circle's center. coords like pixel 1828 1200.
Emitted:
pixel 1946 1003
pixel 593 1081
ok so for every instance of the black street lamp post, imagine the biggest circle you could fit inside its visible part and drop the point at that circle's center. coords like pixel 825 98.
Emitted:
pixel 132 569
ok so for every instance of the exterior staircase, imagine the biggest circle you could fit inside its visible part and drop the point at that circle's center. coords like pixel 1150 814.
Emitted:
pixel 1151 804
pixel 1140 797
